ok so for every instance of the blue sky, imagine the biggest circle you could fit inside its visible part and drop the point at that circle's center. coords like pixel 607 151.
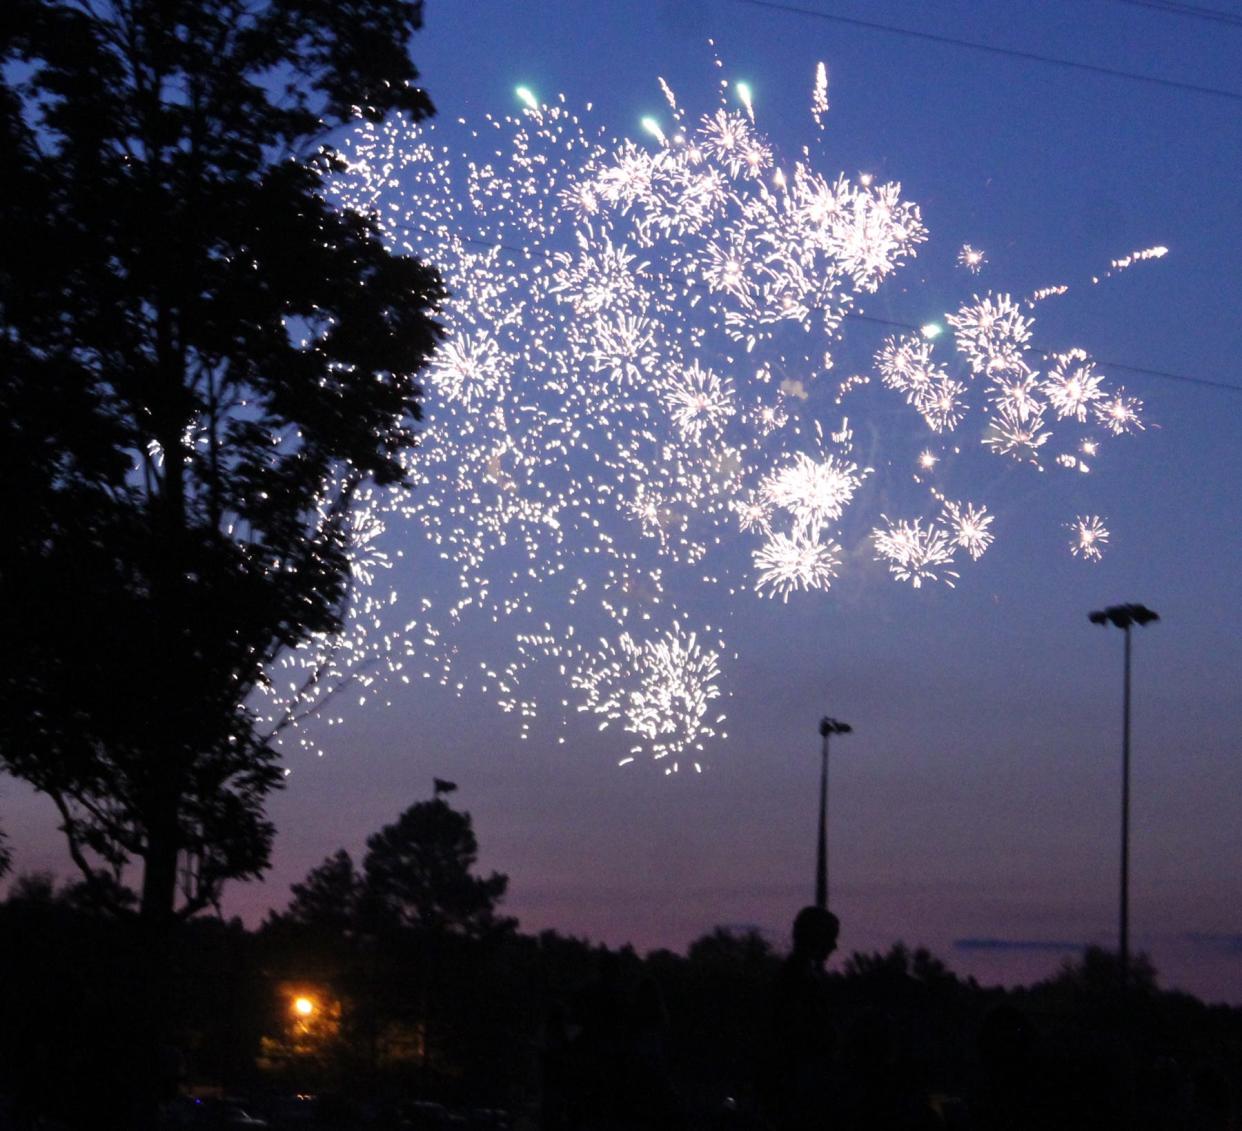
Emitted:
pixel 978 797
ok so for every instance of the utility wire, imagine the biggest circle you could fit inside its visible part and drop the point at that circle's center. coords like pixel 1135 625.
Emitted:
pixel 1162 374
pixel 1030 56
pixel 1195 11
pixel 857 316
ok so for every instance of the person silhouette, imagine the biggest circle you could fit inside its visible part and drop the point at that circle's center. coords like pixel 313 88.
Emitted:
pixel 803 1034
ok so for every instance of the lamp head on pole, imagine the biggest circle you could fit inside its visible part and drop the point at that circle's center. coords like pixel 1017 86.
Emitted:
pixel 829 726
pixel 1123 616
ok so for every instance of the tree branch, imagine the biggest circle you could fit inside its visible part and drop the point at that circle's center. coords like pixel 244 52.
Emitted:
pixel 93 877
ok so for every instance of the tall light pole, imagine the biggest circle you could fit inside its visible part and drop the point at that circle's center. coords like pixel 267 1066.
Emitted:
pixel 1125 617
pixel 827 727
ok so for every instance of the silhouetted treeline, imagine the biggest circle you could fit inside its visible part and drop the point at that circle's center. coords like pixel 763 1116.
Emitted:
pixel 558 1028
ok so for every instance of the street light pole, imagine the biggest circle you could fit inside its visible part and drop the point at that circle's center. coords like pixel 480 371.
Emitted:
pixel 827 728
pixel 1125 617
pixel 1124 931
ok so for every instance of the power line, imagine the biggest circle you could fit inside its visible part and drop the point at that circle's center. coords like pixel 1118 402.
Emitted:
pixel 1206 382
pixel 1162 374
pixel 1195 11
pixel 857 316
pixel 1029 56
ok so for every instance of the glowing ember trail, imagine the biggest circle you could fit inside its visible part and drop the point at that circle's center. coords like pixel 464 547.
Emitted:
pixel 635 402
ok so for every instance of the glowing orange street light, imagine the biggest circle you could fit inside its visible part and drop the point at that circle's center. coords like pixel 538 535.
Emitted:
pixel 303 1006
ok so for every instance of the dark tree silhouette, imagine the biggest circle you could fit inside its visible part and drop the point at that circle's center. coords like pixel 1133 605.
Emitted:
pixel 201 360
pixel 1094 975
pixel 328 898
pixel 418 872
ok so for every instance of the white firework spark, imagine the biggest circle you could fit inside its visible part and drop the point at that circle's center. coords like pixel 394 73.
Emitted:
pixel 786 563
pixel 819 95
pixel 970 526
pixel 628 180
pixel 1120 413
pixel 992 334
pixel 469 369
pixel 813 491
pixel 1046 293
pixel 905 364
pixel 1158 252
pixel 971 258
pixel 753 515
pixel 725 270
pixel 872 231
pixel 732 140
pixel 1089 536
pixel 766 417
pixel 1017 394
pixel 629 405
pixel 624 348
pixel 699 402
pixel 1072 385
pixel 915 553
pixel 1010 433
pixel 659 690
pixel 943 404
pixel 601 277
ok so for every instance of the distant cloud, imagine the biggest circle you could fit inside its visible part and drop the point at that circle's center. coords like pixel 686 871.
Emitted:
pixel 1223 943
pixel 1017 944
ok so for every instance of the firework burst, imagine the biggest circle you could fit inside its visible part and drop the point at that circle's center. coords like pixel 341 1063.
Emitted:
pixel 629 407
pixel 699 402
pixel 992 334
pixel 786 563
pixel 657 690
pixel 1073 385
pixel 814 492
pixel 915 553
pixel 969 525
pixel 1088 538
pixel 971 258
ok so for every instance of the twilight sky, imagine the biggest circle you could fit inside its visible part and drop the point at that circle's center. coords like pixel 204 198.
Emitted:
pixel 978 797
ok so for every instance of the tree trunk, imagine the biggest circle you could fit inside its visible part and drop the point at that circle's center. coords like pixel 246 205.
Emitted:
pixel 159 878
pixel 155 997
